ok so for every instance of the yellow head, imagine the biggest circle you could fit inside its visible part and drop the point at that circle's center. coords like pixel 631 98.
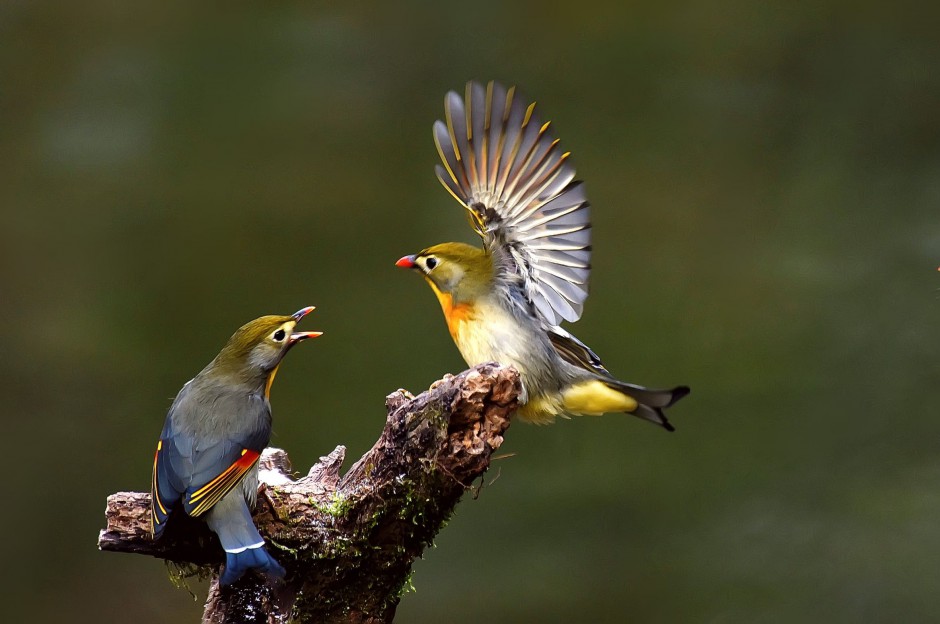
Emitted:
pixel 257 347
pixel 460 271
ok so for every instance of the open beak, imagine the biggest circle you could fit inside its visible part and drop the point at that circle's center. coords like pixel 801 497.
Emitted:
pixel 299 314
pixel 298 336
pixel 406 262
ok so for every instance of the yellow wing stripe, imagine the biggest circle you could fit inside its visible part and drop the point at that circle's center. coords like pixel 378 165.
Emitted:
pixel 453 176
pixel 528 114
pixel 484 155
pixel 155 501
pixel 450 130
pixel 527 165
pixel 498 183
pixel 212 492
pixel 204 489
pixel 471 157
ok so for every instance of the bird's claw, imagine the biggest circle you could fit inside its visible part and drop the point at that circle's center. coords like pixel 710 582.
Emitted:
pixel 447 377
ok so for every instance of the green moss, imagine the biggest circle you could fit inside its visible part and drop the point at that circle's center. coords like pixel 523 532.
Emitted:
pixel 407 586
pixel 338 506
pixel 295 553
pixel 280 509
pixel 180 574
pixel 420 509
pixel 407 518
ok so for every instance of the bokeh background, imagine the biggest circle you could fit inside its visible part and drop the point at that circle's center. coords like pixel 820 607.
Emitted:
pixel 765 180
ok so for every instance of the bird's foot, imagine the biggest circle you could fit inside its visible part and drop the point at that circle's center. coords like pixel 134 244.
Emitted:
pixel 447 377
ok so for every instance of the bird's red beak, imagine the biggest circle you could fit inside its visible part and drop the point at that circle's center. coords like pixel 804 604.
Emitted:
pixel 299 314
pixel 406 262
pixel 298 336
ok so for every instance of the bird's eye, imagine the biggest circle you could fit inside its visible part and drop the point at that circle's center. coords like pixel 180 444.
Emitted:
pixel 279 335
pixel 430 263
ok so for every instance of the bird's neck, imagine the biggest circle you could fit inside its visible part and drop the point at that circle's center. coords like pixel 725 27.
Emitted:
pixel 249 380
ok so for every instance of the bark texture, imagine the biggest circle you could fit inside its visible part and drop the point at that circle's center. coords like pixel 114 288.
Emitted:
pixel 348 543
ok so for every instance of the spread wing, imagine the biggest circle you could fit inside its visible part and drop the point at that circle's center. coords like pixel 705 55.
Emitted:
pixel 198 470
pixel 503 164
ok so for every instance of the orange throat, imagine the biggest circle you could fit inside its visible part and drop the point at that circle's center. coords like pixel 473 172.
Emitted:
pixel 455 315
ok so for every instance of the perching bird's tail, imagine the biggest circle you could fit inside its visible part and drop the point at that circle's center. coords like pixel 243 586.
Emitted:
pixel 230 519
pixel 257 558
pixel 650 403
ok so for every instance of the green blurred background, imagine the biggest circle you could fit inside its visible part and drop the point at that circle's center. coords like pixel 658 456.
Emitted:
pixel 765 180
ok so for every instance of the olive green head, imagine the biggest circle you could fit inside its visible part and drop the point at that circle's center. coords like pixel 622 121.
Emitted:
pixel 258 346
pixel 461 270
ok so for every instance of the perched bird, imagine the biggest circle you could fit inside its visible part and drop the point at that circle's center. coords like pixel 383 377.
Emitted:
pixel 504 302
pixel 216 428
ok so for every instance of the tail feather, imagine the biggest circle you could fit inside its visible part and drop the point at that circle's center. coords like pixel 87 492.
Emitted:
pixel 230 519
pixel 651 402
pixel 252 558
pixel 653 398
pixel 654 415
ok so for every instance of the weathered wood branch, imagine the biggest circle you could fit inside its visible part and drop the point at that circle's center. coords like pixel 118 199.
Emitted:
pixel 348 543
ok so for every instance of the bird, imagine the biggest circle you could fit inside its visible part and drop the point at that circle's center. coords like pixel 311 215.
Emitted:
pixel 504 302
pixel 206 462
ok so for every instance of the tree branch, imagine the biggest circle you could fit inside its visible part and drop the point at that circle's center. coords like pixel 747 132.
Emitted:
pixel 348 542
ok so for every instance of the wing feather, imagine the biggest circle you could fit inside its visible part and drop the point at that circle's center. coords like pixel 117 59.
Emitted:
pixel 503 164
pixel 476 122
pixel 202 499
pixel 200 470
pixel 576 352
pixel 452 187
pixel 573 275
pixel 559 286
pixel 449 158
pixel 457 137
pixel 495 123
pixel 164 491
pixel 511 136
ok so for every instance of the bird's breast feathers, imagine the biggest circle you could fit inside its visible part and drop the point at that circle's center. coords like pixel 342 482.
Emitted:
pixel 485 332
pixel 457 315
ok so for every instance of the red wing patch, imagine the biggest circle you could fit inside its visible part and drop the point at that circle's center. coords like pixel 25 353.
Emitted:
pixel 208 495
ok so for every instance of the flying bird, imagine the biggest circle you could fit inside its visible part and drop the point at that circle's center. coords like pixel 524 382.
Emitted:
pixel 504 302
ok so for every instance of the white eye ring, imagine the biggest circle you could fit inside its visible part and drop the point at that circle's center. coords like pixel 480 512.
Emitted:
pixel 279 335
pixel 430 263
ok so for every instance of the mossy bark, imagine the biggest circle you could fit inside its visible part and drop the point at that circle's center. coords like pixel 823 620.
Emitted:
pixel 348 543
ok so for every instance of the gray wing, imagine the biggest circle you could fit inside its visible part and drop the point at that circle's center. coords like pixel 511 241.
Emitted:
pixel 203 467
pixel 505 167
